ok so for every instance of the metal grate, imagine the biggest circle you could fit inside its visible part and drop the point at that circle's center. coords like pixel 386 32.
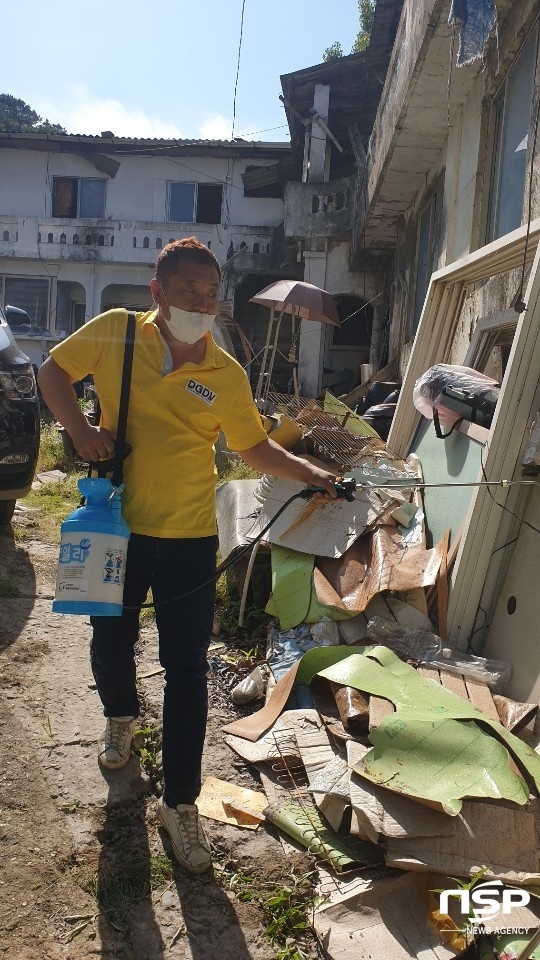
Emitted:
pixel 329 434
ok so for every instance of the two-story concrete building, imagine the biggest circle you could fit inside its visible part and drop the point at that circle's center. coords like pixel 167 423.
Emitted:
pixel 82 220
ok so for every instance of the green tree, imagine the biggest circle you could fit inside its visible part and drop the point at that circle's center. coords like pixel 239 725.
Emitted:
pixel 333 52
pixel 366 10
pixel 16 116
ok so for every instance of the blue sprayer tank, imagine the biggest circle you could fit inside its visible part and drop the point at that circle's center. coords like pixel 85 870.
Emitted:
pixel 93 549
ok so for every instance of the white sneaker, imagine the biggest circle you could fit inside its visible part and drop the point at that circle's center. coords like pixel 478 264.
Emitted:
pixel 115 750
pixel 189 841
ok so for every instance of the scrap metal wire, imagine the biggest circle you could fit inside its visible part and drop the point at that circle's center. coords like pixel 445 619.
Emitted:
pixel 291 775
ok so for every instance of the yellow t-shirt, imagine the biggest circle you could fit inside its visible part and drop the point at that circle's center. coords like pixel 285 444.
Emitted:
pixel 173 421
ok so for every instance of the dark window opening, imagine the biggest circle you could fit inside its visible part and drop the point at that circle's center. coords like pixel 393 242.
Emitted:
pixel 65 194
pixel 195 202
pixel 209 200
pixel 356 322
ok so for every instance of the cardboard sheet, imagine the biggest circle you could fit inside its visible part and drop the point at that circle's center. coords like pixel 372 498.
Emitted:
pixel 503 838
pixel 282 733
pixel 228 803
pixel 328 530
pixel 388 921
pixel 379 812
pixel 236 512
pixel 381 560
pixel 424 732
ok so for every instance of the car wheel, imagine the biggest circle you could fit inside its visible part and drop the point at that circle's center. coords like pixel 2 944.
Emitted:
pixel 7 509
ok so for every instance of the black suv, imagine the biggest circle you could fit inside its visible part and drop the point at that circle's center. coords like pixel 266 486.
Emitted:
pixel 19 422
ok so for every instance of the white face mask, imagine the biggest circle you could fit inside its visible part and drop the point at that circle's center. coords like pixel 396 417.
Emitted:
pixel 186 326
pixel 189 327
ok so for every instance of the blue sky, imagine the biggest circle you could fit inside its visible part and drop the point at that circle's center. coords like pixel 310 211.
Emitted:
pixel 165 69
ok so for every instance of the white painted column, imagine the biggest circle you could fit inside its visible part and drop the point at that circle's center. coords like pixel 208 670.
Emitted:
pixel 312 334
pixel 319 156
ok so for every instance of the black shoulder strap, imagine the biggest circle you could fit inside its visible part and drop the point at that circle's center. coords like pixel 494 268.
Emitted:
pixel 437 424
pixel 117 473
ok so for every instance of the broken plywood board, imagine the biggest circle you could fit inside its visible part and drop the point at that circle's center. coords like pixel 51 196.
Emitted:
pixel 389 921
pixel 379 812
pixel 279 741
pixel 502 838
pixel 513 715
pixel 229 803
pixel 423 709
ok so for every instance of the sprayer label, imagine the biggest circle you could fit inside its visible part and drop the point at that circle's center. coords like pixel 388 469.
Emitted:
pixel 74 552
pixel 204 393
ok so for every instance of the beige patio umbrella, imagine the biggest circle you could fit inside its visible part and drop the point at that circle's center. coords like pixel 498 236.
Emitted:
pixel 304 301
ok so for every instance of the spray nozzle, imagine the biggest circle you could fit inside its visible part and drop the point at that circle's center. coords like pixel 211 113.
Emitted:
pixel 344 487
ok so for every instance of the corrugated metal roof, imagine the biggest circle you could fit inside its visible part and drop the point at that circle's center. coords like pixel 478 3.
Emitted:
pixel 106 142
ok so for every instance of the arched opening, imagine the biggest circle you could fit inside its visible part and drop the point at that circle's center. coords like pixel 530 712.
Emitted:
pixel 5 235
pixel 131 295
pixel 159 243
pixel 146 243
pixel 75 238
pixel 70 306
pixel 49 238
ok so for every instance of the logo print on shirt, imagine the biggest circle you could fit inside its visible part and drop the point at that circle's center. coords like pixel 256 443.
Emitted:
pixel 204 393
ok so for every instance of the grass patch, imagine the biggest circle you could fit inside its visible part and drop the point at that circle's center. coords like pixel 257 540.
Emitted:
pixel 55 501
pixel 286 906
pixel 52 455
pixel 231 467
pixel 147 744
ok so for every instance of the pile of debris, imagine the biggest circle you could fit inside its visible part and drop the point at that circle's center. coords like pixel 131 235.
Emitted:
pixel 395 760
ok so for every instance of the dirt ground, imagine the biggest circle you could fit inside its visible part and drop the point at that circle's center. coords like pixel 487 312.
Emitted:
pixel 86 872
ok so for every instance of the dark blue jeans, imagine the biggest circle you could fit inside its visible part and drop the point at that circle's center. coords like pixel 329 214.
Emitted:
pixel 171 568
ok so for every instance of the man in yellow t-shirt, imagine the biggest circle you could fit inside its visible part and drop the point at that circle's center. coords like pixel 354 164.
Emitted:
pixel 184 390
